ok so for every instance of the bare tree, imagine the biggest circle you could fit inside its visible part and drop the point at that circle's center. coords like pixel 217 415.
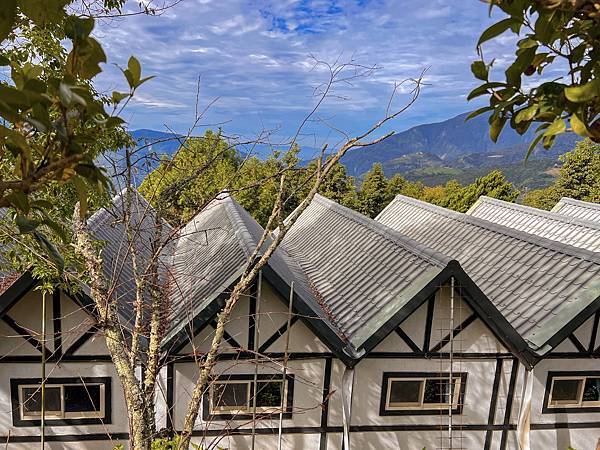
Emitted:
pixel 138 343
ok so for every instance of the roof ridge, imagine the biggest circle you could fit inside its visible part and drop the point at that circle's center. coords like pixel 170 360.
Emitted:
pixel 581 203
pixel 534 211
pixel 582 253
pixel 238 222
pixel 411 245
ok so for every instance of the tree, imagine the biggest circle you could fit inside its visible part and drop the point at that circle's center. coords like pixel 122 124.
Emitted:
pixel 125 344
pixel 579 175
pixel 578 178
pixel 210 164
pixel 54 124
pixel 555 35
pixel 494 184
pixel 373 194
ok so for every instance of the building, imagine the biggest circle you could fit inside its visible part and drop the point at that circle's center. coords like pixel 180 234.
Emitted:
pixel 424 328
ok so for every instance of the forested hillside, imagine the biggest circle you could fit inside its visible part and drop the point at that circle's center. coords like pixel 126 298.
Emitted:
pixel 254 182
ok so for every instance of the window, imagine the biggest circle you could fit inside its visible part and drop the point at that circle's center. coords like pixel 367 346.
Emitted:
pixel 572 392
pixel 421 393
pixel 232 396
pixel 68 401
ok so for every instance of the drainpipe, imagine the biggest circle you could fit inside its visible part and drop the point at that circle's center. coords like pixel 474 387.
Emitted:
pixel 525 411
pixel 347 384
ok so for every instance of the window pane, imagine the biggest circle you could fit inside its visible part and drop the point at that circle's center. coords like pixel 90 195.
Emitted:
pixel 269 394
pixel 82 398
pixel 405 391
pixel 437 390
pixel 32 399
pixel 564 390
pixel 591 391
pixel 230 394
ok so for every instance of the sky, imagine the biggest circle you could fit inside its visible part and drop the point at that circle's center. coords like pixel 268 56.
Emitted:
pixel 256 63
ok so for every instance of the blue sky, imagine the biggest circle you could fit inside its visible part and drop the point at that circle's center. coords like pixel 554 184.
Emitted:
pixel 254 60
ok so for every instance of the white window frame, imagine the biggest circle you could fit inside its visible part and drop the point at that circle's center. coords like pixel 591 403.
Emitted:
pixel 35 415
pixel 575 403
pixel 216 410
pixel 420 404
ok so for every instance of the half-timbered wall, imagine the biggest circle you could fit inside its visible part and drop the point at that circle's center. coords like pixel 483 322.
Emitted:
pixel 73 351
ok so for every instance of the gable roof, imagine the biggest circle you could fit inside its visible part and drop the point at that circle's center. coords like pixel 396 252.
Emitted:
pixel 107 226
pixel 369 277
pixel 212 252
pixel 557 227
pixel 543 287
pixel 578 208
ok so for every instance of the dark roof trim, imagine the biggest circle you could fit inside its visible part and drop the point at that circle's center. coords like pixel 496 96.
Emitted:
pixel 476 300
pixel 16 291
pixel 562 334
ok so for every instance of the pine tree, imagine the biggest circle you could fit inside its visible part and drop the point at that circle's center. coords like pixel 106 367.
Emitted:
pixel 374 194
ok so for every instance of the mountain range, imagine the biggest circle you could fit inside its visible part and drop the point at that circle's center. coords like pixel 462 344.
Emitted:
pixel 434 153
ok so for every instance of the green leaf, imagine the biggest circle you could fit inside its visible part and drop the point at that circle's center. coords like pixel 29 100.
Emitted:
pixel 583 93
pixel 8 14
pixel 483 89
pixel 53 253
pixel 134 67
pixel 496 126
pixel 532 146
pixel 81 189
pixel 117 97
pixel 526 114
pixel 578 126
pixel 557 127
pixel 43 12
pixel 19 200
pixel 57 228
pixel 495 30
pixel 25 225
pixel 478 112
pixel 480 70
pixel 65 95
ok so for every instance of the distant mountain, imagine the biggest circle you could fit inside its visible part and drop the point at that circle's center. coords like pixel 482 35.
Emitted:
pixel 162 142
pixel 452 143
pixel 432 153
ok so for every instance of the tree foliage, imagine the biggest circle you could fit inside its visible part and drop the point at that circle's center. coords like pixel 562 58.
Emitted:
pixel 561 35
pixel 54 123
pixel 579 178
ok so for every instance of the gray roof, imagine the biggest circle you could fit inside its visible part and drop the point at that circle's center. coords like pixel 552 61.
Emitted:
pixel 107 226
pixel 538 284
pixel 212 252
pixel 578 208
pixel 362 271
pixel 551 225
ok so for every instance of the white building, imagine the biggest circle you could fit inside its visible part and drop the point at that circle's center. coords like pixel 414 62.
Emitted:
pixel 423 328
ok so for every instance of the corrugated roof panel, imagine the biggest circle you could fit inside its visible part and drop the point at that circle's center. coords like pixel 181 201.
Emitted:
pixel 362 269
pixel 551 225
pixel 537 283
pixel 578 209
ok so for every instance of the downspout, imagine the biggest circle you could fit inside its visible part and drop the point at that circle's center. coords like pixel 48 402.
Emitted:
pixel 347 384
pixel 523 424
pixel 347 387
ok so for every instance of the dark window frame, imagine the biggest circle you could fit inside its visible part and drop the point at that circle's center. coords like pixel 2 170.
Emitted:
pixel 547 409
pixel 289 398
pixel 384 411
pixel 15 383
